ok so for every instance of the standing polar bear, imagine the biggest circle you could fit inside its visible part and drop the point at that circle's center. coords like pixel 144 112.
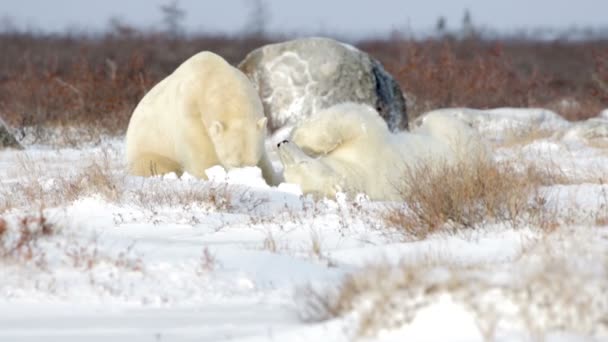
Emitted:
pixel 348 148
pixel 205 113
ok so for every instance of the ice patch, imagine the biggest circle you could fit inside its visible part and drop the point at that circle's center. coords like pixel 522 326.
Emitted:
pixel 459 324
pixel 250 176
pixel 290 188
pixel 173 176
pixel 216 174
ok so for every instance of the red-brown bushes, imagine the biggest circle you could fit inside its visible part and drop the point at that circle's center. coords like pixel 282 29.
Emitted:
pixel 97 81
pixel 20 245
pixel 483 74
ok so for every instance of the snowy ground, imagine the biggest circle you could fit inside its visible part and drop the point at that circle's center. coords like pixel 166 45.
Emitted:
pixel 125 258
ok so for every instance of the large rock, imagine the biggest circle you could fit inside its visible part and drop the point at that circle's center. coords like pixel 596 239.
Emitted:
pixel 302 76
pixel 7 140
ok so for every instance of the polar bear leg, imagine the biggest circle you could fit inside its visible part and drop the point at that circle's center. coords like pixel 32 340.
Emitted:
pixel 314 139
pixel 325 132
pixel 152 164
pixel 290 154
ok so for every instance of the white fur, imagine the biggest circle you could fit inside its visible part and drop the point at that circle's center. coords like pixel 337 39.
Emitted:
pixel 349 148
pixel 205 113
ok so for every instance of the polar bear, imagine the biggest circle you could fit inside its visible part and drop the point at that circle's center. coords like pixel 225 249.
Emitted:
pixel 348 148
pixel 205 113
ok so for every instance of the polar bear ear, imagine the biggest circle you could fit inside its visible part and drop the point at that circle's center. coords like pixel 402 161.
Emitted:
pixel 262 123
pixel 216 128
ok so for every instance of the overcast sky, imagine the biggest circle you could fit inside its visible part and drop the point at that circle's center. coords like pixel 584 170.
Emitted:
pixel 348 17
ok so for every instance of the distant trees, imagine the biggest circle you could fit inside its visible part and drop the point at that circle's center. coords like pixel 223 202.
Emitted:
pixel 7 24
pixel 173 15
pixel 467 29
pixel 258 18
pixel 441 27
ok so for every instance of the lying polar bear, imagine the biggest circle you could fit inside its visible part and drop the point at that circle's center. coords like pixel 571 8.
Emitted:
pixel 348 148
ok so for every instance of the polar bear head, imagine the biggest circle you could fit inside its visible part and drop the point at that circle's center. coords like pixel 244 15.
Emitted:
pixel 233 114
pixel 313 175
pixel 238 142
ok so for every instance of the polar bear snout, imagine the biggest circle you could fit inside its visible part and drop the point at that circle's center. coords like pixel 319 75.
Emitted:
pixel 291 154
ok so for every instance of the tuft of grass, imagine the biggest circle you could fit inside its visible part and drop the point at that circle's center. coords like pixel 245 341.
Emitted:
pixel 207 262
pixel 38 187
pixel 21 243
pixel 31 239
pixel 270 243
pixel 465 195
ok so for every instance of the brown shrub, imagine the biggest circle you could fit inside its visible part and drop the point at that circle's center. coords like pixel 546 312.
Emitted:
pixel 21 244
pixel 465 196
pixel 92 81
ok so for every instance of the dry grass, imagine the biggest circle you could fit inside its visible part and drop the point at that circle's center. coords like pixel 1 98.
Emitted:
pixel 36 187
pixel 464 196
pixel 20 243
pixel 92 82
pixel 546 291
pixel 29 240
pixel 270 243
pixel 88 256
pixel 601 215
pixel 207 262
pixel 99 175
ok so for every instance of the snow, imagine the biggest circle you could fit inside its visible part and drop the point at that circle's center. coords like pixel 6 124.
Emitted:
pixel 182 259
pixel 497 122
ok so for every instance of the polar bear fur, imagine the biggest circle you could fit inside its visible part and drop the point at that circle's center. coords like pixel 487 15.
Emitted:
pixel 348 148
pixel 205 113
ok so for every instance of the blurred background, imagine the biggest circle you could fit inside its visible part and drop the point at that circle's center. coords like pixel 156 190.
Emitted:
pixel 352 19
pixel 72 62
